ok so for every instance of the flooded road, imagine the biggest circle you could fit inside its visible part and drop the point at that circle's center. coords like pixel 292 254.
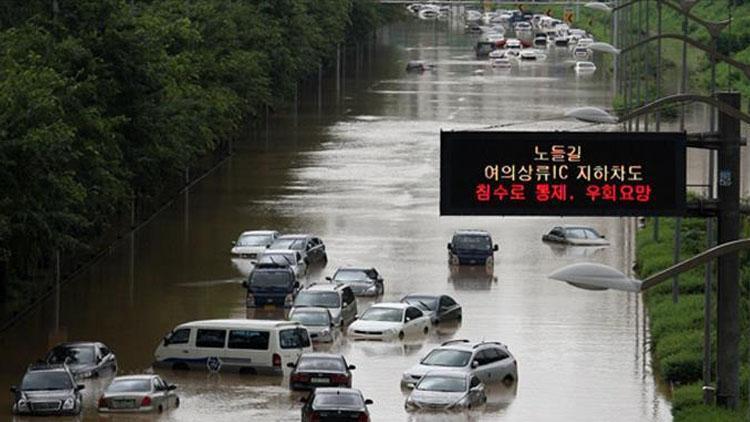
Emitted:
pixel 360 170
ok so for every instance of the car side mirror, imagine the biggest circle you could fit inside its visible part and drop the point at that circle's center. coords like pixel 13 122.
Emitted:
pixel 329 279
pixel 495 247
pixel 80 387
pixel 368 402
pixel 450 246
pixel 13 389
pixel 291 365
pixel 303 399
pixel 351 367
pixel 234 243
pixel 603 236
pixel 356 316
pixel 296 284
pixel 474 364
pixel 171 387
pixel 245 285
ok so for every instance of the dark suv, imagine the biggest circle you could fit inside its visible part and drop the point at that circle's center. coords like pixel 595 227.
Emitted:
pixel 271 285
pixel 47 390
pixel 335 404
pixel 471 247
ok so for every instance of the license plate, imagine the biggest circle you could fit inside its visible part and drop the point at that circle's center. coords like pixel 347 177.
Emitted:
pixel 319 380
pixel 123 404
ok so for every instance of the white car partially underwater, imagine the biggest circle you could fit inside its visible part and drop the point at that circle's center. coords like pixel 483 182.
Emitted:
pixel 390 321
pixel 250 244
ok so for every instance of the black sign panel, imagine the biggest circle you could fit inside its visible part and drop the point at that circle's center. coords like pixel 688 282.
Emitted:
pixel 562 173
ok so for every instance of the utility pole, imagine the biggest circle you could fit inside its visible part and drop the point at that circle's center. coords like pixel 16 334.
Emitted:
pixel 728 290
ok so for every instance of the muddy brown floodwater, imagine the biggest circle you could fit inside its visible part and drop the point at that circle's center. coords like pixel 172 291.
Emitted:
pixel 360 169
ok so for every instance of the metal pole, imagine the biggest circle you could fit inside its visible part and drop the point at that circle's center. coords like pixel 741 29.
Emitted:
pixel 639 65
pixel 658 63
pixel 728 291
pixel 677 247
pixel 683 85
pixel 647 65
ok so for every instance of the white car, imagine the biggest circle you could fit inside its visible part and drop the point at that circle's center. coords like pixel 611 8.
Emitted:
pixel 490 361
pixel 442 390
pixel 251 243
pixel 585 68
pixel 389 321
pixel 286 257
pixel 138 394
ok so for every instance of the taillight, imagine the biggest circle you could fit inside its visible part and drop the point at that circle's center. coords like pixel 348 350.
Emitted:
pixel 146 401
pixel 298 378
pixel 339 379
pixel 363 418
pixel 315 417
pixel 276 360
pixel 102 402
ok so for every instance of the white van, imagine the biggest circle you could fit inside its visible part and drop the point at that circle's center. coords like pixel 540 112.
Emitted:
pixel 239 345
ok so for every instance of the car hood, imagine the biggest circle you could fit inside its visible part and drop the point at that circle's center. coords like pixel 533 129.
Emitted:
pixel 435 397
pixel 374 325
pixel 77 368
pixel 48 394
pixel 419 369
pixel 248 249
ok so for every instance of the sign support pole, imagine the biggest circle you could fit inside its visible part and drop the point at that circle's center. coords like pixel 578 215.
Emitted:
pixel 728 294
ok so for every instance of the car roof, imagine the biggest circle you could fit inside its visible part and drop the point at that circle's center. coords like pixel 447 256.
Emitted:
pixel 134 377
pixel 397 305
pixel 325 287
pixel 422 295
pixel 337 390
pixel 279 251
pixel 467 345
pixel 354 269
pixel 311 309
pixel 472 232
pixel 77 343
pixel 238 323
pixel 571 226
pixel 295 236
pixel 259 232
pixel 45 367
pixel 322 355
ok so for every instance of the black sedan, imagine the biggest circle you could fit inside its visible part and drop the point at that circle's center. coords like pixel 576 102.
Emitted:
pixel 314 370
pixel 439 307
pixel 336 404
pixel 84 359
pixel 363 281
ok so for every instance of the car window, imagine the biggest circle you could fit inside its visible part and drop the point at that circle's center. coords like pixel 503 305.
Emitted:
pixel 180 336
pixel 210 338
pixel 592 234
pixel 156 384
pixel 46 380
pixel 330 300
pixel 472 242
pixel 482 358
pixel 575 234
pixel 351 400
pixel 446 302
pixel 72 354
pixel 264 279
pixel 413 313
pixel 248 339
pixel 129 386
pixel 294 338
pixel 502 355
pixel 104 351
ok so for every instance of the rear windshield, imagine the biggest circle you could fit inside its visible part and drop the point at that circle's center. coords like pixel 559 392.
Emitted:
pixel 271 279
pixel 129 386
pixel 46 380
pixel 71 354
pixel 318 299
pixel 342 399
pixel 353 275
pixel 293 244
pixel 473 242
pixel 425 303
pixel 321 364
pixel 295 338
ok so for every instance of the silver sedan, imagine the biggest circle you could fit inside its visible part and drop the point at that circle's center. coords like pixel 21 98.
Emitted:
pixel 445 390
pixel 138 394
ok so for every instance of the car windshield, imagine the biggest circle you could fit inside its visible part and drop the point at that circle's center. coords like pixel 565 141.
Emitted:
pixel 277 258
pixel 446 357
pixel 443 384
pixel 254 240
pixel 129 386
pixel 321 364
pixel 270 279
pixel 321 299
pixel 46 380
pixel 71 355
pixel 424 303
pixel 478 242
pixel 292 244
pixel 383 314
pixel 351 275
pixel 313 319
pixel 340 399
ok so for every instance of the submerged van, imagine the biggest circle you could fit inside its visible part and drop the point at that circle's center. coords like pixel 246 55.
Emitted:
pixel 271 285
pixel 233 345
pixel 471 247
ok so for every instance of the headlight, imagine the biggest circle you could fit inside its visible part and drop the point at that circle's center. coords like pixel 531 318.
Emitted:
pixel 391 331
pixel 22 405
pixel 325 332
pixel 68 404
pixel 372 288
pixel 410 404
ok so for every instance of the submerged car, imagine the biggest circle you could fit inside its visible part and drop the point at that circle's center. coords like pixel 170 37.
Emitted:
pixel 318 322
pixel 388 321
pixel 471 247
pixel 312 248
pixel 363 281
pixel 438 307
pixel 85 359
pixel 313 370
pixel 138 394
pixel 338 299
pixel 252 243
pixel 47 390
pixel 575 236
pixel 488 360
pixel 443 390
pixel 292 259
pixel 336 404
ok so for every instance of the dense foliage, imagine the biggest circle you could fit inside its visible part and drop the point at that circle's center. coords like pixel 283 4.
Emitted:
pixel 677 328
pixel 106 101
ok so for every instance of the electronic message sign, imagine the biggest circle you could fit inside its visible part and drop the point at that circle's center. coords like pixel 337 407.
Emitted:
pixel 562 173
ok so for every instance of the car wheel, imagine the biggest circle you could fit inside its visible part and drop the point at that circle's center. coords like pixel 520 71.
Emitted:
pixel 401 335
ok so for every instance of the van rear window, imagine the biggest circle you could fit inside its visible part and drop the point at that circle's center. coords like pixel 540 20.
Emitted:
pixel 294 338
pixel 248 339
pixel 210 338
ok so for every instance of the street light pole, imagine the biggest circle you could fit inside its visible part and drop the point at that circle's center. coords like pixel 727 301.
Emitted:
pixel 728 285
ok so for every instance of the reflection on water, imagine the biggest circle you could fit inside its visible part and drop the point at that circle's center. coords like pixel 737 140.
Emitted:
pixel 475 277
pixel 574 251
